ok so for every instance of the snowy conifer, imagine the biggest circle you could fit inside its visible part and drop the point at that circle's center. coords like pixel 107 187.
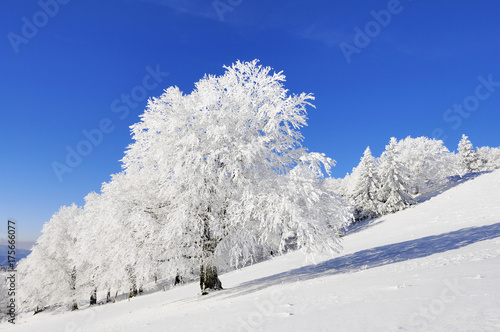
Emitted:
pixel 365 187
pixel 468 158
pixel 394 181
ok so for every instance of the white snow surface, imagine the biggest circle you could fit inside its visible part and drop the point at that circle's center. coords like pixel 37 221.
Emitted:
pixel 432 267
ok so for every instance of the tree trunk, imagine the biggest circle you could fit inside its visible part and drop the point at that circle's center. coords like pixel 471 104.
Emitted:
pixel 38 309
pixel 133 283
pixel 93 297
pixel 133 292
pixel 178 280
pixel 74 306
pixel 209 280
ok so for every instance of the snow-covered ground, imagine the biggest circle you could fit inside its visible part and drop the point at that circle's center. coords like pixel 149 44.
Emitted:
pixel 433 267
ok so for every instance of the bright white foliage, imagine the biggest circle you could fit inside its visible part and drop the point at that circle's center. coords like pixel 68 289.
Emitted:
pixel 218 176
pixel 489 158
pixel 427 161
pixel 228 171
pixel 394 181
pixel 468 158
pixel 408 168
pixel 48 275
pixel 365 187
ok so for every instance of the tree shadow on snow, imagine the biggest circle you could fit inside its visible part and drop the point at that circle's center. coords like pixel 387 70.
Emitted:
pixel 375 257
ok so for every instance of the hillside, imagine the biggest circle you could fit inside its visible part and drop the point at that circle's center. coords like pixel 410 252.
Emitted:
pixel 433 267
pixel 20 254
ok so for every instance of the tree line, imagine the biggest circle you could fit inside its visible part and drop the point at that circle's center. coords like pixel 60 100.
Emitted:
pixel 407 170
pixel 214 180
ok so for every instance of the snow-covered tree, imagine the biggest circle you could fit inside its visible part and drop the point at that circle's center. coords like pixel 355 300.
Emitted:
pixel 32 270
pixel 4 298
pixel 468 158
pixel 428 161
pixel 220 161
pixel 365 188
pixel 335 185
pixel 394 181
pixel 48 276
pixel 489 158
pixel 108 235
pixel 125 227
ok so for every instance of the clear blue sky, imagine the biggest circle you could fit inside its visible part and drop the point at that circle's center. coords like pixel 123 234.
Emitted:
pixel 65 68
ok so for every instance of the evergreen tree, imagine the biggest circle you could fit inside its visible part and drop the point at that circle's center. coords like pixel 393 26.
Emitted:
pixel 468 158
pixel 364 192
pixel 394 179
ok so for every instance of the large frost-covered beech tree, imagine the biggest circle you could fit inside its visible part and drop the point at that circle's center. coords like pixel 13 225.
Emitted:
pixel 230 177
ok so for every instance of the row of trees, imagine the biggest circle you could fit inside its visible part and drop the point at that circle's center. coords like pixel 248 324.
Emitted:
pixel 406 170
pixel 215 179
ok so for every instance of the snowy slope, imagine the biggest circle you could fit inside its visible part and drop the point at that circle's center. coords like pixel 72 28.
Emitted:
pixel 433 267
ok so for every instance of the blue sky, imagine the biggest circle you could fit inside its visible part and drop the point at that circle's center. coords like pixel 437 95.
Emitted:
pixel 377 69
